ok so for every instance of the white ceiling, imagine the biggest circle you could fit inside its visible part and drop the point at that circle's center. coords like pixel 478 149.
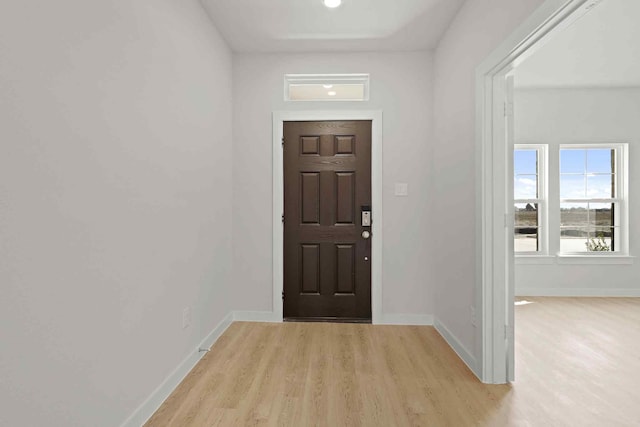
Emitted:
pixel 601 49
pixel 308 26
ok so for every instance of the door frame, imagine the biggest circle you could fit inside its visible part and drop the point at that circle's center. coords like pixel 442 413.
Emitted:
pixel 494 203
pixel 279 117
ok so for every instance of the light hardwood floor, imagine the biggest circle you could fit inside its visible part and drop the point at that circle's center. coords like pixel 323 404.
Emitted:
pixel 578 364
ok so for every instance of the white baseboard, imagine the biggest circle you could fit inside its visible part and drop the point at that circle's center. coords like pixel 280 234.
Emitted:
pixel 160 394
pixel 406 319
pixel 457 346
pixel 576 292
pixel 387 319
pixel 255 316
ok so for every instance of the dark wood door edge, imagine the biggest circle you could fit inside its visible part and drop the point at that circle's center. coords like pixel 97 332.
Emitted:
pixel 326 320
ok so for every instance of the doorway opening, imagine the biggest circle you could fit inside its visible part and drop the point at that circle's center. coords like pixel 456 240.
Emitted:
pixel 495 208
pixel 575 114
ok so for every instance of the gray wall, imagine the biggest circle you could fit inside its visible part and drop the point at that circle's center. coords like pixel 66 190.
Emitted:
pixel 115 202
pixel 560 116
pixel 401 86
pixel 479 27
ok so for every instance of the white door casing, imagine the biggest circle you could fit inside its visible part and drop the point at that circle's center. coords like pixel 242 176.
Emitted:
pixel 509 331
pixel 494 169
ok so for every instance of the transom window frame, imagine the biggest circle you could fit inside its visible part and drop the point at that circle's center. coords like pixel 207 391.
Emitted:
pixel 327 81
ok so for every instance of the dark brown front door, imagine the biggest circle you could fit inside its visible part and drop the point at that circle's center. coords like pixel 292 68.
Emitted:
pixel 327 182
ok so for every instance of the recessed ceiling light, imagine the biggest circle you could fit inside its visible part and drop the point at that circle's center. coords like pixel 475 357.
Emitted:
pixel 327 86
pixel 332 3
pixel 331 93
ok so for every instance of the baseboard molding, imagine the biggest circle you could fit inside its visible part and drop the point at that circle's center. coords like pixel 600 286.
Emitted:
pixel 387 319
pixel 255 316
pixel 160 394
pixel 457 346
pixel 576 292
pixel 406 319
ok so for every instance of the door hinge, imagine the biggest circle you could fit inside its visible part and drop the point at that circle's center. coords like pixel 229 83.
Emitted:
pixel 282 295
pixel 508 332
pixel 508 109
pixel 283 141
pixel 283 218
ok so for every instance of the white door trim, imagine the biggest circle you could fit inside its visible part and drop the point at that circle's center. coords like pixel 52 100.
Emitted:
pixel 494 262
pixel 279 117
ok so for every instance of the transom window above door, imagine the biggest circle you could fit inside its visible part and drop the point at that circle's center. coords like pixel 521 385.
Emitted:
pixel 326 87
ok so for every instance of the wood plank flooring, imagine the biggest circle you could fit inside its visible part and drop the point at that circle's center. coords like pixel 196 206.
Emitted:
pixel 578 361
pixel 578 364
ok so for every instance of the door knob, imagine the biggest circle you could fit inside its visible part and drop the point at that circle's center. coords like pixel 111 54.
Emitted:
pixel 366 234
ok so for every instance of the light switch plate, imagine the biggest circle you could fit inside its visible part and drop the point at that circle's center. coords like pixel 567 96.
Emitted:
pixel 402 189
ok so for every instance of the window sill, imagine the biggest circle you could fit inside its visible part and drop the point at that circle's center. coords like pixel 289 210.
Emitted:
pixel 596 259
pixel 535 259
pixel 574 259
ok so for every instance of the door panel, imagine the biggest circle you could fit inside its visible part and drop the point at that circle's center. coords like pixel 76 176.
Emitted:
pixel 310 269
pixel 327 178
pixel 310 197
pixel 345 198
pixel 345 269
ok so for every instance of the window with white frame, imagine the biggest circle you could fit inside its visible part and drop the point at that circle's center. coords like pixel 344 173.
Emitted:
pixel 326 87
pixel 530 194
pixel 593 199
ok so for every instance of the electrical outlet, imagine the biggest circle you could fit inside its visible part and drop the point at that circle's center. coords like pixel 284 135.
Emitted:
pixel 474 321
pixel 186 317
